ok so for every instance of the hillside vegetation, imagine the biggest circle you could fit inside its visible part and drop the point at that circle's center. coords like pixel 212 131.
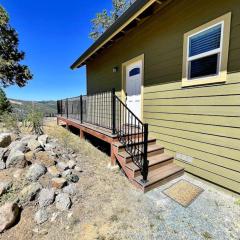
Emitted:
pixel 22 107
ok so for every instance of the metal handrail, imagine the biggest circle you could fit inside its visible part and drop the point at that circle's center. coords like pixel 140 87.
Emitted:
pixel 106 110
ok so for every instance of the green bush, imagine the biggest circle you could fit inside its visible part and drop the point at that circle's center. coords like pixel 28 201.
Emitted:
pixel 34 120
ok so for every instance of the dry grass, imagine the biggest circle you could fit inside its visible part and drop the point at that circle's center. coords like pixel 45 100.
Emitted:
pixel 70 141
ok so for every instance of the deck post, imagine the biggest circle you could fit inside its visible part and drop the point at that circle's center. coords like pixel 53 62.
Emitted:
pixel 61 108
pixel 145 160
pixel 81 110
pixel 67 106
pixel 113 112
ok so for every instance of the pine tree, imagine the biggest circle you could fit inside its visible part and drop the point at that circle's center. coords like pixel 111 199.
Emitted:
pixel 104 20
pixel 5 105
pixel 11 71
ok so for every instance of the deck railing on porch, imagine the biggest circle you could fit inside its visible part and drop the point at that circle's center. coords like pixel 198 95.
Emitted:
pixel 106 110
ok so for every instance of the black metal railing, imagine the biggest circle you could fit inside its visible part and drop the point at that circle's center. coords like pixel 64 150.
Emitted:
pixel 108 111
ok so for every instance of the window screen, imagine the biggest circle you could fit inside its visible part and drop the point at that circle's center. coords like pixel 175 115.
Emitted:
pixel 204 53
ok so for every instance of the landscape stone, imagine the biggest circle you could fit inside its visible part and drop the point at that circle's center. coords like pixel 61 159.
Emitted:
pixel 45 159
pixel 50 146
pixel 66 173
pixel 29 156
pixel 2 153
pixel 71 164
pixel 43 139
pixel 41 216
pixel 17 146
pixel 54 171
pixel 9 213
pixel 16 158
pixel 33 144
pixel 63 202
pixel 4 187
pixel 5 139
pixel 2 165
pixel 46 197
pixel 71 189
pixel 58 182
pixel 28 138
pixel 35 172
pixel 78 169
pixel 29 192
pixel 73 178
pixel 62 166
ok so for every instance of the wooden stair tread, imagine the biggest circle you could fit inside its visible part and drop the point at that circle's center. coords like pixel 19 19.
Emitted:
pixel 159 174
pixel 153 160
pixel 118 144
pixel 151 148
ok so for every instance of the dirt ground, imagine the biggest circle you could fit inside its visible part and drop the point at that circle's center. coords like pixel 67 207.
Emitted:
pixel 109 207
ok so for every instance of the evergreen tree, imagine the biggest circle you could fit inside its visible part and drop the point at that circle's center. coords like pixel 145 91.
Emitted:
pixel 11 71
pixel 5 105
pixel 104 20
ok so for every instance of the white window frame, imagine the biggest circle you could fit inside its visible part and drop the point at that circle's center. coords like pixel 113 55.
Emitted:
pixel 221 76
pixel 205 54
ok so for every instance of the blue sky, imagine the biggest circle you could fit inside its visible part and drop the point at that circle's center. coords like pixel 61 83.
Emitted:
pixel 52 34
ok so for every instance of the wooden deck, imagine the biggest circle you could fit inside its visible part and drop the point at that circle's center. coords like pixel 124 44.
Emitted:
pixel 161 166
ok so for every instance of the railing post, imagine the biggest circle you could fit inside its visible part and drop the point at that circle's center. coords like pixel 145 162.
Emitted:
pixel 67 106
pixel 145 160
pixel 113 112
pixel 81 110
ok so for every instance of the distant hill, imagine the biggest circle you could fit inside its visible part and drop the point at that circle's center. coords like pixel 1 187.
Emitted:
pixel 22 106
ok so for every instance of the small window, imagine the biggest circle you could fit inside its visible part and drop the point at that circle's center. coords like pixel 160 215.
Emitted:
pixel 134 71
pixel 206 52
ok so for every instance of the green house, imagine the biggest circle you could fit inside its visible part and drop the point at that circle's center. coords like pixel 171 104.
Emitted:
pixel 176 65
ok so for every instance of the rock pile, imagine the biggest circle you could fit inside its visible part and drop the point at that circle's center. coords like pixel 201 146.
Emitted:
pixel 49 174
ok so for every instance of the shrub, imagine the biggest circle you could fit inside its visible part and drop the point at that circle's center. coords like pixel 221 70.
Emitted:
pixel 34 120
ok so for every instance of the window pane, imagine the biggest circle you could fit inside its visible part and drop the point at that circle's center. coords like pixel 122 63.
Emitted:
pixel 205 41
pixel 203 67
pixel 134 71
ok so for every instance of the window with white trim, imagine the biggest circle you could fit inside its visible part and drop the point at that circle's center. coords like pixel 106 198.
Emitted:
pixel 204 52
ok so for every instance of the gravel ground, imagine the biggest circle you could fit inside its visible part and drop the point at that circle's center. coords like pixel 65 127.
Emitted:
pixel 109 207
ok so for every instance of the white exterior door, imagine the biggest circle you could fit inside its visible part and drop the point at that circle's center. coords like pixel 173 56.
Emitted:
pixel 133 87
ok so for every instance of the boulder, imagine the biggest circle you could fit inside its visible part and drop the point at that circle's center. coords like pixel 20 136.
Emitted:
pixel 28 138
pixel 29 192
pixel 50 146
pixel 63 202
pixel 46 197
pixel 9 213
pixel 58 182
pixel 45 159
pixel 2 153
pixel 41 216
pixel 43 139
pixel 33 144
pixel 62 166
pixel 35 172
pixel 18 146
pixel 16 158
pixel 71 189
pixel 53 171
pixel 71 164
pixel 5 139
pixel 4 187
pixel 2 165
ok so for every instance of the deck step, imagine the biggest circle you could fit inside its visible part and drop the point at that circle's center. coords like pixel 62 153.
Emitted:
pixel 155 162
pixel 160 176
pixel 152 150
pixel 121 147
